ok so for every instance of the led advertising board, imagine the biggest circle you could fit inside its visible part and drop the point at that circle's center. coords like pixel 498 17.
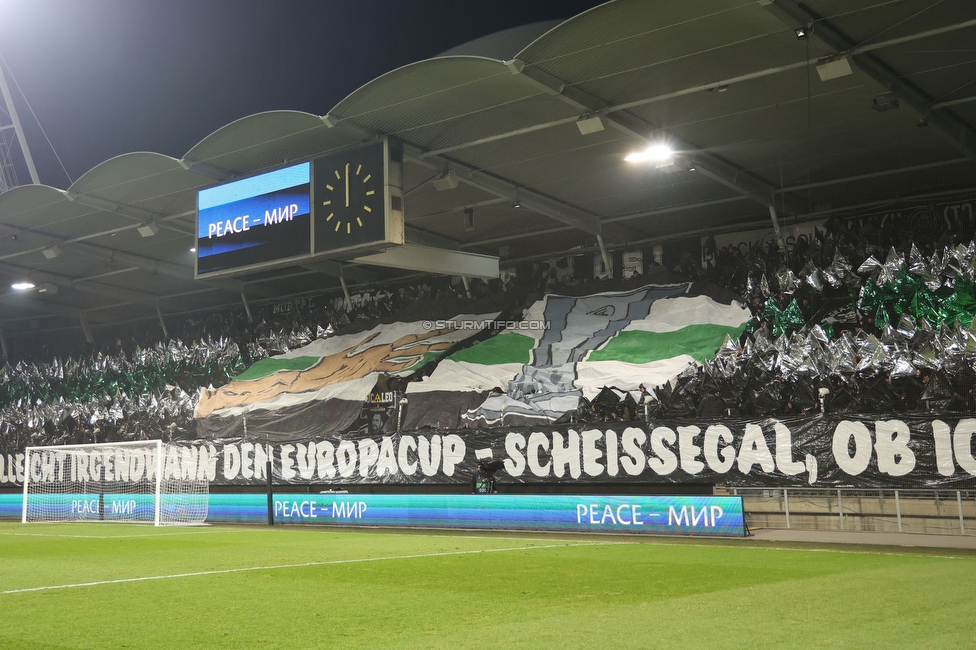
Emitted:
pixel 254 222
pixel 720 516
pixel 647 515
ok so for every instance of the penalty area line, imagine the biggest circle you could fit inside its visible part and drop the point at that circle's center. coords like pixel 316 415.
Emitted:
pixel 299 565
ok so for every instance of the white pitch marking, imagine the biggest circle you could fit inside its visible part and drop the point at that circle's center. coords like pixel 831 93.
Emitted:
pixel 692 542
pixel 107 536
pixel 49 535
pixel 292 566
pixel 182 532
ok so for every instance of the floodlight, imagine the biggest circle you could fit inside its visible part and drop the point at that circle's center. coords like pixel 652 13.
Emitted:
pixel 22 286
pixel 801 33
pixel 51 252
pixel 656 153
pixel 47 287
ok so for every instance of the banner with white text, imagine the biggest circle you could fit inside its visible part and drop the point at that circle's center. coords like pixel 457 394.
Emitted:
pixel 820 451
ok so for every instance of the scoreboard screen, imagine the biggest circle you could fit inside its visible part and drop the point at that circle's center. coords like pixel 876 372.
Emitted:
pixel 254 222
pixel 338 206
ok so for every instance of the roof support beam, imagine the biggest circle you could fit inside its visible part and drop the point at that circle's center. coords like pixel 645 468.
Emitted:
pixel 501 187
pixel 610 220
pixel 132 212
pixel 156 266
pixel 60 241
pixel 139 262
pixel 955 130
pixel 955 102
pixel 49 308
pixel 491 183
pixel 880 174
pixel 203 169
pixel 714 167
pixel 147 263
pixel 86 286
pixel 455 210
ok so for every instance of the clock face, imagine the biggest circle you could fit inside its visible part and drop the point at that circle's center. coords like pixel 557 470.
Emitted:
pixel 349 199
pixel 353 198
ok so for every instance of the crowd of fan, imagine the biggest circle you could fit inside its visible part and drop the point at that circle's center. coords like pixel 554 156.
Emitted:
pixel 861 317
pixel 145 388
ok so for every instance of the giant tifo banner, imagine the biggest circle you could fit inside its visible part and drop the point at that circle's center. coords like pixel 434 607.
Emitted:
pixel 569 347
pixel 325 383
pixel 819 451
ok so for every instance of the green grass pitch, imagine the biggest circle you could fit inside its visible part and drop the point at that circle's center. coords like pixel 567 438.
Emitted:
pixel 113 586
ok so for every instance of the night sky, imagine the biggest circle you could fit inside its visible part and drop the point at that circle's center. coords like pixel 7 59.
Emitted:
pixel 107 77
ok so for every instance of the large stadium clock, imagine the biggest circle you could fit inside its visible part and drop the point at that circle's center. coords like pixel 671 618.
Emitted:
pixel 357 201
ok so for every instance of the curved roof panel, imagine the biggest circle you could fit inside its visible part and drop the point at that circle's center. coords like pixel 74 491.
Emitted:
pixel 505 44
pixel 147 181
pixel 36 206
pixel 449 100
pixel 266 140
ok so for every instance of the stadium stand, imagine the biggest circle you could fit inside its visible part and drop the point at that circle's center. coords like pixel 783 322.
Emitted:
pixel 858 310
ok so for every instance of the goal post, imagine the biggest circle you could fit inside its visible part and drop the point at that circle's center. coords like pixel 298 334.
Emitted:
pixel 116 482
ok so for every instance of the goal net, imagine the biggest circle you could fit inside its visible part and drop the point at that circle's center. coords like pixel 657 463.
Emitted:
pixel 137 482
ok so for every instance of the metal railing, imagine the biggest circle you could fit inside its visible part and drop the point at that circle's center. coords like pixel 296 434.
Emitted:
pixel 942 512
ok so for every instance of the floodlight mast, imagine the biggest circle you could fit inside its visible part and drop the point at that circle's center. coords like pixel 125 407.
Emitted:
pixel 7 178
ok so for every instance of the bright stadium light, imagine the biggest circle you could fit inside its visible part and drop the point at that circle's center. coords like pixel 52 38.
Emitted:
pixel 22 286
pixel 656 153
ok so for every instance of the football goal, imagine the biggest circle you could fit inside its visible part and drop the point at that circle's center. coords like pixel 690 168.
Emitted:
pixel 136 482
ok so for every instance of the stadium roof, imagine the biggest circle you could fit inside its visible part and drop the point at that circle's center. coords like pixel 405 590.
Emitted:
pixel 729 84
